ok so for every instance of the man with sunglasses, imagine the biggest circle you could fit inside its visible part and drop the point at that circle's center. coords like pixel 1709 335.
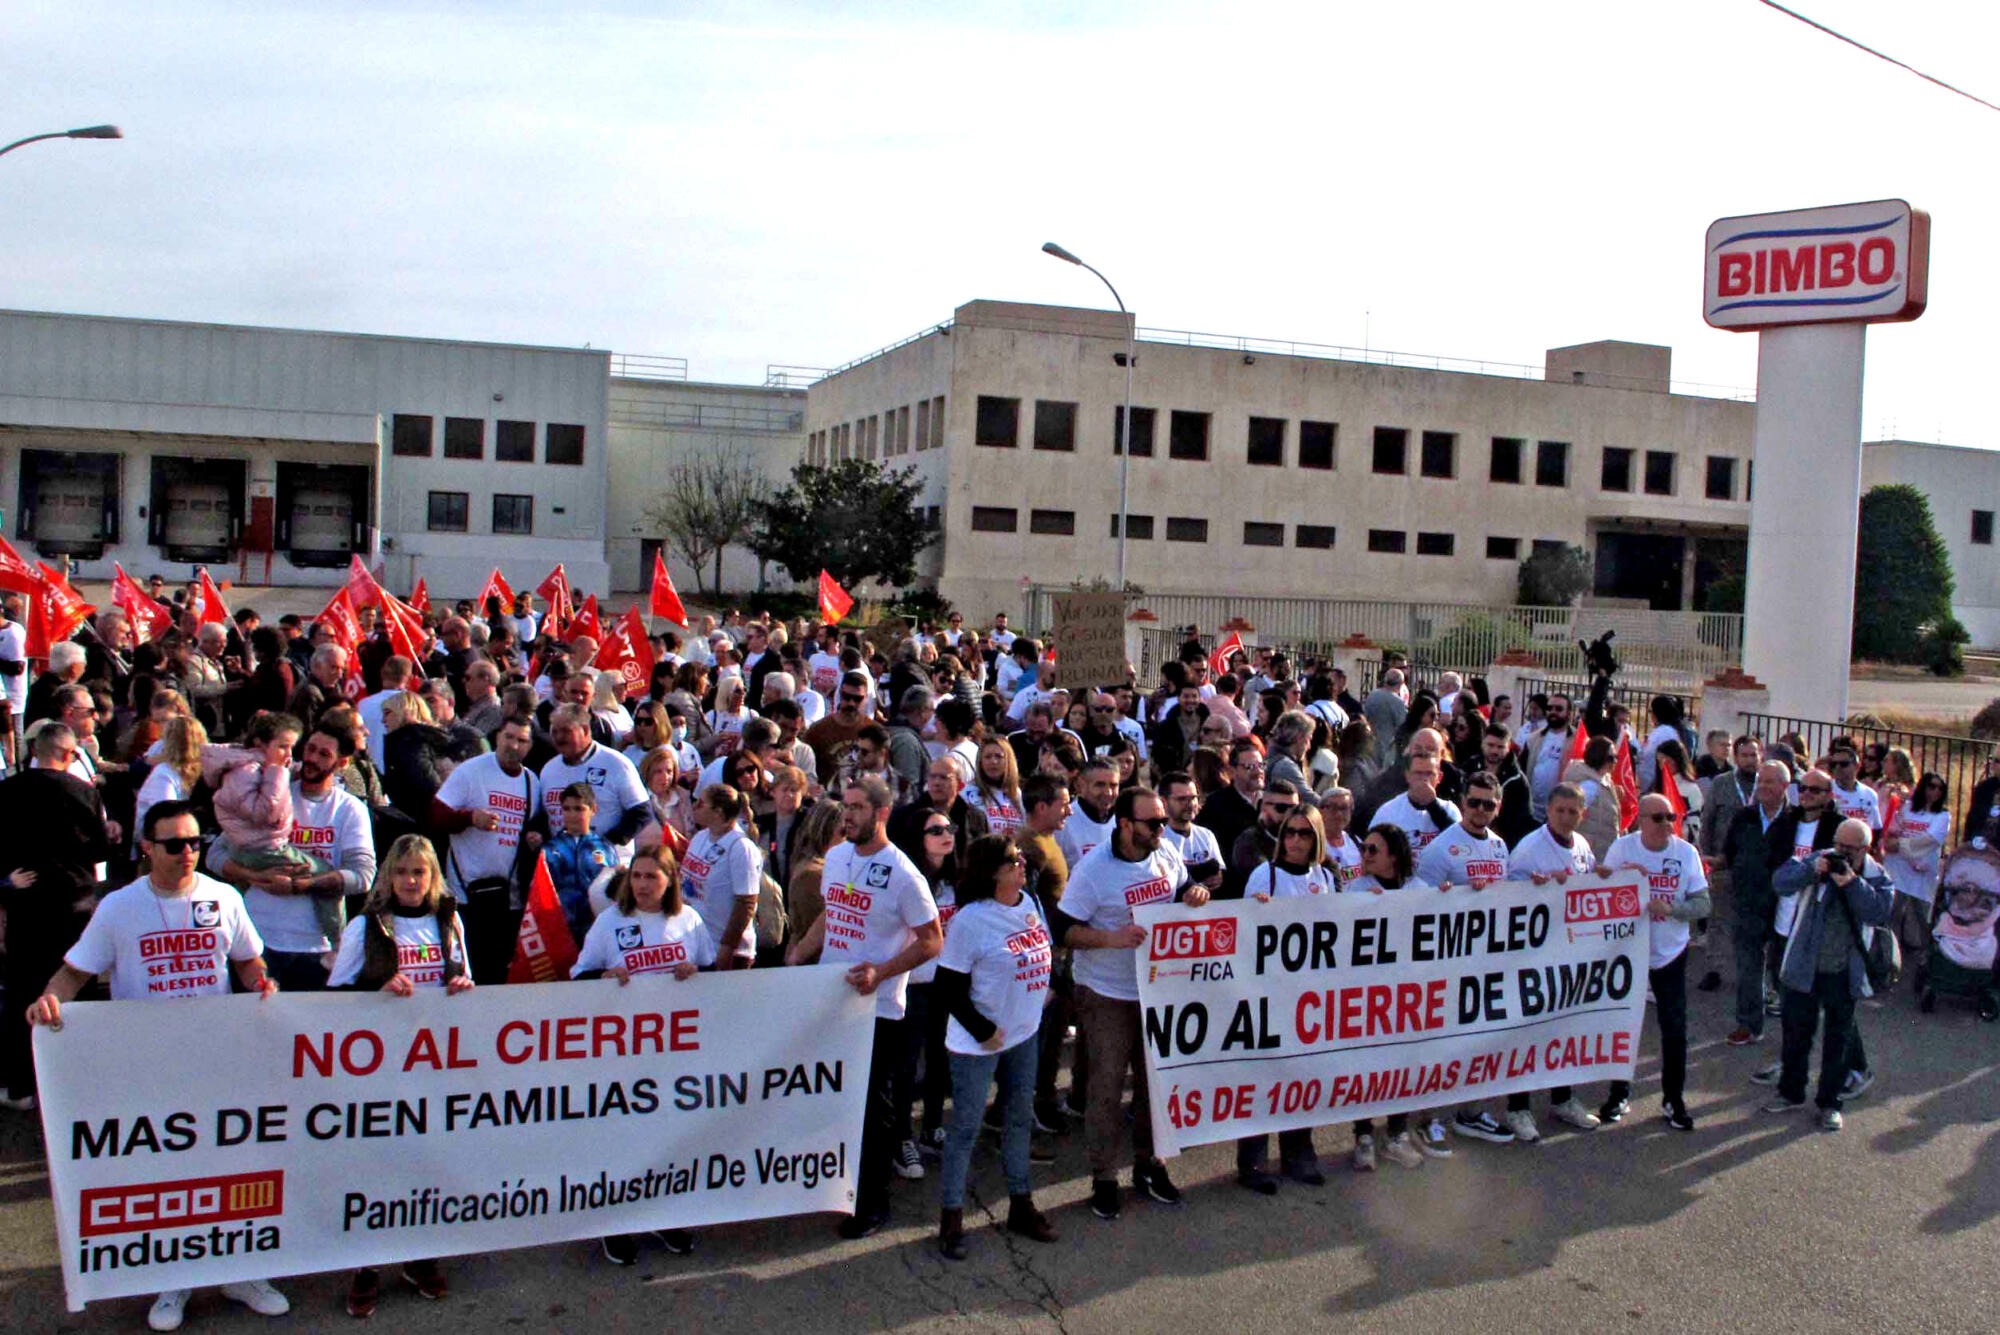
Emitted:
pixel 1257 845
pixel 1196 844
pixel 1094 919
pixel 171 934
pixel 1542 756
pixel 831 737
pixel 1800 835
pixel 1676 894
pixel 1852 798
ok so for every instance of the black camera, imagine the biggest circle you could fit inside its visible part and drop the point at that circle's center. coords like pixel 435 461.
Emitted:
pixel 1597 655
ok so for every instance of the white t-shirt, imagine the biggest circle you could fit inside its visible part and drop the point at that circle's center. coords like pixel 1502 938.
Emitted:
pixel 642 943
pixel 335 829
pixel 481 785
pixel 825 674
pixel 812 707
pixel 14 649
pixel 1917 876
pixel 1369 885
pixel 947 905
pixel 163 784
pixel 1103 890
pixel 1861 801
pixel 1649 759
pixel 1672 875
pixel 1136 735
pixel 1006 953
pixel 1197 846
pixel 1538 854
pixel 419 957
pixel 1345 858
pixel 1003 815
pixel 874 901
pixel 1001 639
pixel 1460 857
pixel 1080 834
pixel 1802 850
pixel 1552 747
pixel 726 722
pixel 158 948
pixel 609 775
pixel 715 873
pixel 1400 812
pixel 1273 880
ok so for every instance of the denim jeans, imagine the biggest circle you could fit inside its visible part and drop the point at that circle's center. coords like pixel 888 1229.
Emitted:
pixel 971 1077
pixel 1832 994
pixel 1752 936
pixel 1670 1012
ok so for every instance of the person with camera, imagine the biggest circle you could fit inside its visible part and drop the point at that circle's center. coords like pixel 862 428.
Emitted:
pixel 1825 967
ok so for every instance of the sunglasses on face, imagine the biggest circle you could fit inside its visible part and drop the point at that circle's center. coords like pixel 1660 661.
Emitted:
pixel 1302 831
pixel 847 699
pixel 1814 788
pixel 1481 804
pixel 178 845
pixel 1153 823
pixel 934 831
pixel 1660 818
pixel 1375 850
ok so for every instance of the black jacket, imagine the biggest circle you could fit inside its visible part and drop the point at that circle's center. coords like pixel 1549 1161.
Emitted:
pixel 906 827
pixel 1227 814
pixel 1516 820
pixel 51 823
pixel 1753 853
pixel 415 754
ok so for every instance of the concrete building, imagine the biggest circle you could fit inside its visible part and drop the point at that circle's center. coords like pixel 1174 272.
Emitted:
pixel 1283 468
pixel 1963 486
pixel 273 455
pixel 658 418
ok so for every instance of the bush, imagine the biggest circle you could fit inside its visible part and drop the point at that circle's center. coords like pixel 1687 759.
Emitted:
pixel 1903 585
pixel 1554 577
pixel 1941 647
pixel 1476 640
pixel 921 604
pixel 1986 723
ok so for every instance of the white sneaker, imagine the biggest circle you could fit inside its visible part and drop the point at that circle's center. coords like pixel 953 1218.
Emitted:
pixel 168 1309
pixel 1364 1153
pixel 1399 1149
pixel 1571 1113
pixel 909 1164
pixel 1522 1123
pixel 1433 1141
pixel 258 1296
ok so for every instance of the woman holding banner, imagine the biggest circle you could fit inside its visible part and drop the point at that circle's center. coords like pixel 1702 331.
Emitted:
pixel 1386 864
pixel 409 935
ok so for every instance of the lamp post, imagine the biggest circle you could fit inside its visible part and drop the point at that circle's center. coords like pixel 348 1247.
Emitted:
pixel 1125 427
pixel 87 132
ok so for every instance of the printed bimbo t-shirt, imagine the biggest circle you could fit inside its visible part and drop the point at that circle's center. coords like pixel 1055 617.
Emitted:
pixel 159 948
pixel 1103 890
pixel 873 901
pixel 643 943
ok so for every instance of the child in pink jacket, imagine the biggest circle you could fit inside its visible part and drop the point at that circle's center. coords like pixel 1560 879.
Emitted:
pixel 253 804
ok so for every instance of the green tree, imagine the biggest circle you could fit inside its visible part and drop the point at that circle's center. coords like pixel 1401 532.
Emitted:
pixel 1903 584
pixel 853 518
pixel 1554 577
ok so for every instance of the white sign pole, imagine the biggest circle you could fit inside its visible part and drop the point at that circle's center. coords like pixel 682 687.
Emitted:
pixel 1798 606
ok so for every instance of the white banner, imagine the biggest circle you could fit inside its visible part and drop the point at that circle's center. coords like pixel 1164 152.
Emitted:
pixel 1328 1008
pixel 203 1141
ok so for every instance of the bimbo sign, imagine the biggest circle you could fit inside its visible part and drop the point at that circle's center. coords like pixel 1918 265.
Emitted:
pixel 1849 262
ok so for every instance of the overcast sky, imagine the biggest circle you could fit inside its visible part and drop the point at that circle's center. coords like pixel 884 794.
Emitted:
pixel 748 184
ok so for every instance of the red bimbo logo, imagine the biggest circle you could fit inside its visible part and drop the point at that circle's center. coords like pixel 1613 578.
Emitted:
pixel 1203 938
pixel 1601 905
pixel 188 1203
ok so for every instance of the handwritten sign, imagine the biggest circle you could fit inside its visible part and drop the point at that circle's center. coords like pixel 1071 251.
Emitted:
pixel 1089 638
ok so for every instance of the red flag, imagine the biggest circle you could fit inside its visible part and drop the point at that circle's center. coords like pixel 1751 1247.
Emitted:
pixel 403 626
pixel 664 601
pixel 420 597
pixel 1670 788
pixel 1578 739
pixel 361 585
pixel 16 575
pixel 544 951
pixel 1626 780
pixel 62 608
pixel 209 608
pixel 834 601
pixel 343 626
pixel 1218 662
pixel 150 620
pixel 628 651
pixel 496 587
pixel 555 592
pixel 585 621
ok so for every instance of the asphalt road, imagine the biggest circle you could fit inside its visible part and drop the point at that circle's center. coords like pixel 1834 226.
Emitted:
pixel 1750 1223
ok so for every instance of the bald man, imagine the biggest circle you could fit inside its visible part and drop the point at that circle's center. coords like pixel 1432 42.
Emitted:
pixel 1675 889
pixel 1746 850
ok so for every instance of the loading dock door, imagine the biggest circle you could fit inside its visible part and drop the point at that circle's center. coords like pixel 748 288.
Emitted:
pixel 321 512
pixel 197 508
pixel 322 520
pixel 68 502
pixel 197 514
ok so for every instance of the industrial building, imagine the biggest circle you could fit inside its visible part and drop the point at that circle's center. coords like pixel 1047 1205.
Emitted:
pixel 1963 487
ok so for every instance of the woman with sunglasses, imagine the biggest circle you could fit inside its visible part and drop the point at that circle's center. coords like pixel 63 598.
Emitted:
pixel 1297 866
pixel 938 861
pixel 992 983
pixel 1386 864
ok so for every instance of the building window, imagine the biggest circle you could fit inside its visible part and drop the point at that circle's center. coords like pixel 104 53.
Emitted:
pixel 937 422
pixel 1551 463
pixel 923 424
pixel 1387 540
pixel 995 519
pixel 562 443
pixel 1506 466
pixel 999 422
pixel 1392 444
pixel 448 510
pixel 1721 478
pixel 1052 523
pixel 1317 536
pixel 1316 444
pixel 465 438
pixel 1187 438
pixel 514 442
pixel 903 429
pixel 411 435
pixel 933 516
pixel 1436 544
pixel 1659 473
pixel 1142 527
pixel 1615 473
pixel 1440 454
pixel 1550 545
pixel 1982 527
pixel 1186 530
pixel 1749 477
pixel 1142 430
pixel 513 514
pixel 875 433
pixel 1263 535
pixel 1503 549
pixel 1055 425
pixel 1267 442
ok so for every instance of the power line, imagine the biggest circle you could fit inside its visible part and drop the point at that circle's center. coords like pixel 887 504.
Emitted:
pixel 1879 55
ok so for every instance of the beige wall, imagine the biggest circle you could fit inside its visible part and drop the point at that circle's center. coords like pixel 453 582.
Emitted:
pixel 1957 480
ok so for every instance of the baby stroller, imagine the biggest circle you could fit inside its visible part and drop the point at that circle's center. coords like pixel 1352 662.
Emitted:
pixel 1961 937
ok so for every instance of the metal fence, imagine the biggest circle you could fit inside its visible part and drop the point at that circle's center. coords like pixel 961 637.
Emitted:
pixel 1638 699
pixel 1961 760
pixel 625 410
pixel 1661 651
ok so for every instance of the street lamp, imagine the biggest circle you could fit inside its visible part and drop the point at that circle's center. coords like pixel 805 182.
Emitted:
pixel 87 132
pixel 1125 427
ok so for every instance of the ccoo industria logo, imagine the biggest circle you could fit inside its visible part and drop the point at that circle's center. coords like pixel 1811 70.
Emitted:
pixel 159 1223
pixel 1851 262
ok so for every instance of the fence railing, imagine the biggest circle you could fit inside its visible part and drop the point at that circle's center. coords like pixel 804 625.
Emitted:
pixel 1961 760
pixel 647 366
pixel 1661 651
pixel 646 412
pixel 1638 699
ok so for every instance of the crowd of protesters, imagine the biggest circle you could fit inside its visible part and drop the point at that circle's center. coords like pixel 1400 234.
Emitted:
pixel 382 837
